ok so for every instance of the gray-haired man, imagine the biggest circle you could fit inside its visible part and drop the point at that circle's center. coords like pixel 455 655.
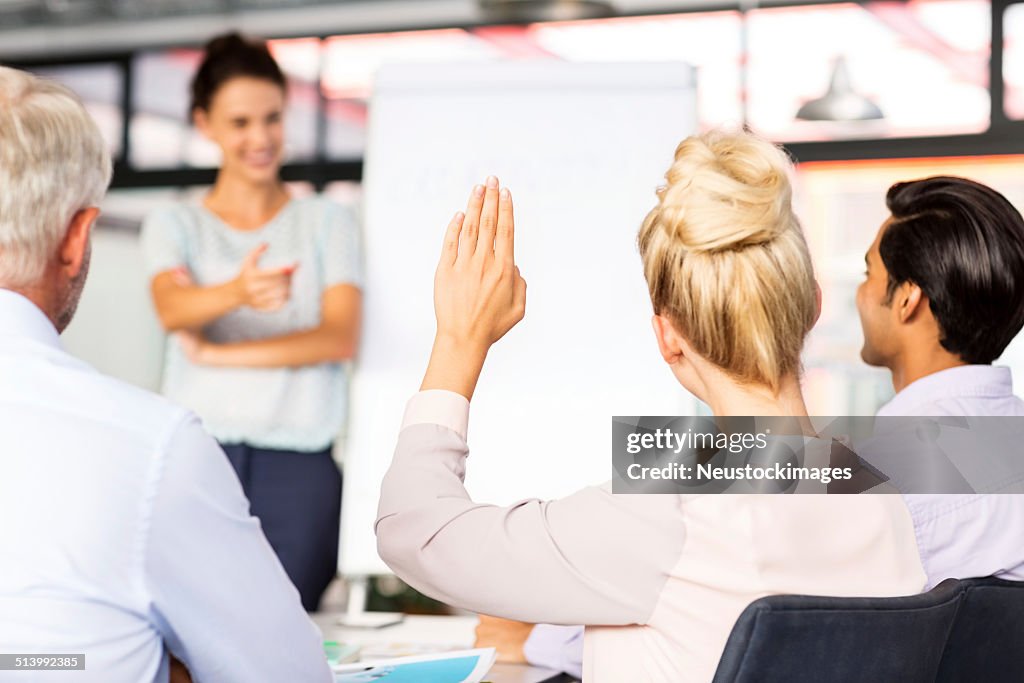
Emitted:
pixel 126 534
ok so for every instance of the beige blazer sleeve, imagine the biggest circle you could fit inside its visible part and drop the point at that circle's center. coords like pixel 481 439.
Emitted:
pixel 590 558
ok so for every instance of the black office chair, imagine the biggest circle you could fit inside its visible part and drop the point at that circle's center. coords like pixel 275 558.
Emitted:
pixel 810 639
pixel 987 640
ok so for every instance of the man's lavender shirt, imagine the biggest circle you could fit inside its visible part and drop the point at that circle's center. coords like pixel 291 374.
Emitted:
pixel 958 536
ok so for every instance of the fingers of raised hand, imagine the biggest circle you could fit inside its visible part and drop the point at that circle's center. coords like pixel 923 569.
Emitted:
pixel 504 239
pixel 451 239
pixel 518 295
pixel 488 219
pixel 471 224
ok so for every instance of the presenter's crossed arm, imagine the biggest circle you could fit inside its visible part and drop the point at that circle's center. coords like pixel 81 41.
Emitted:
pixel 184 308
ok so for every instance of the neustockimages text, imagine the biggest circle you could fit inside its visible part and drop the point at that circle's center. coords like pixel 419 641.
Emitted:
pixel 667 441
pixel 709 472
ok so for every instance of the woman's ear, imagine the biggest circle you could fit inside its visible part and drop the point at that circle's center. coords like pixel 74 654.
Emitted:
pixel 817 303
pixel 681 358
pixel 201 120
pixel 670 342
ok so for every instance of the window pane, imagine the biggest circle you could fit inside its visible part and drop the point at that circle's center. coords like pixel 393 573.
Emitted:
pixel 924 64
pixel 1013 61
pixel 100 87
pixel 161 136
pixel 351 62
pixel 347 193
pixel 708 41
pixel 300 61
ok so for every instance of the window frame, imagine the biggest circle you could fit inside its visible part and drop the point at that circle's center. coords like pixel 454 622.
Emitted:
pixel 1002 137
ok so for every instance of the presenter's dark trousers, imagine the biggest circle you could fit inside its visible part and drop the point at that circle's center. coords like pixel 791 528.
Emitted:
pixel 297 498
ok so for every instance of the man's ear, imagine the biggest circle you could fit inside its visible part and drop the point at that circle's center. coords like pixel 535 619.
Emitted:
pixel 909 301
pixel 670 342
pixel 76 240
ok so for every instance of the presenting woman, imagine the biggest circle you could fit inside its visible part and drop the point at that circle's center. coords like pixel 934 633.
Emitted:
pixel 658 580
pixel 262 291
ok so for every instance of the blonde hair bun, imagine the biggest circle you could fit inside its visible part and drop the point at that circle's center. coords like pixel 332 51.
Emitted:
pixel 725 259
pixel 726 191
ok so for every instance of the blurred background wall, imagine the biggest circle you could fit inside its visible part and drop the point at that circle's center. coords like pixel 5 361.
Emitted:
pixel 861 94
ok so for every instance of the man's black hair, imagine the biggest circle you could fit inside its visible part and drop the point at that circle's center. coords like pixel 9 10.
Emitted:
pixel 962 243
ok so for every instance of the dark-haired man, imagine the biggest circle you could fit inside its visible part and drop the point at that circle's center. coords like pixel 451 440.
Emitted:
pixel 943 297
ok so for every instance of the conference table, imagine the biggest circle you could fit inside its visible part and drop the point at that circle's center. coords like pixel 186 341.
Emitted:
pixel 421 632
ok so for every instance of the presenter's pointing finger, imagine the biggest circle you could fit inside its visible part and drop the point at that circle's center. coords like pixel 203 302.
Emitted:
pixel 504 241
pixel 471 225
pixel 253 257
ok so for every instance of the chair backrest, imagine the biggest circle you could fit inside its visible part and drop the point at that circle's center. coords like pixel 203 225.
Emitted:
pixel 808 639
pixel 987 640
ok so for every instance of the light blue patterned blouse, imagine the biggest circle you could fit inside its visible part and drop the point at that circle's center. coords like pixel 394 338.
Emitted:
pixel 300 409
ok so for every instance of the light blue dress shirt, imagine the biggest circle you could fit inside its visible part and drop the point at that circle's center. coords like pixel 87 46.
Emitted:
pixel 125 532
pixel 293 409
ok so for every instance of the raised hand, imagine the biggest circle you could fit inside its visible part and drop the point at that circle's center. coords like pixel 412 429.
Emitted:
pixel 479 294
pixel 264 290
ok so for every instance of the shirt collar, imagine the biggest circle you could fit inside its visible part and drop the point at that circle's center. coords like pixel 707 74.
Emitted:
pixel 19 317
pixel 965 381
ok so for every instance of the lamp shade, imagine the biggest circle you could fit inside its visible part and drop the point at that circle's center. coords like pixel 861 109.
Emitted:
pixel 841 102
pixel 546 10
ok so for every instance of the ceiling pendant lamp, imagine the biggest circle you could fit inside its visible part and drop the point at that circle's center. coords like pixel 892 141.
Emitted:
pixel 841 102
pixel 545 10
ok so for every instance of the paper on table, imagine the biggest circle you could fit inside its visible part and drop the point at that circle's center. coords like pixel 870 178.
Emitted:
pixel 463 666
pixel 373 651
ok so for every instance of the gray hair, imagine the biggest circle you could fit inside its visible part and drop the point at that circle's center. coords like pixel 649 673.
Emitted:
pixel 53 163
